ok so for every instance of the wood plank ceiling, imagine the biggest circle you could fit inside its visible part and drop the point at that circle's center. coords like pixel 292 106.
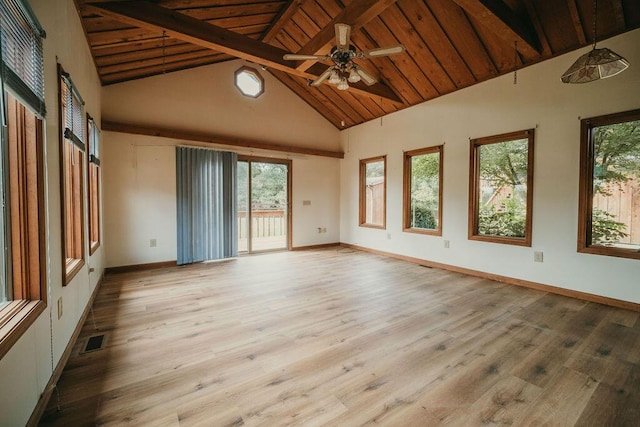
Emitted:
pixel 451 44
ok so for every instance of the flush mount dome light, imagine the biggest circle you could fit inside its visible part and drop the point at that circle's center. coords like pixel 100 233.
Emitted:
pixel 249 82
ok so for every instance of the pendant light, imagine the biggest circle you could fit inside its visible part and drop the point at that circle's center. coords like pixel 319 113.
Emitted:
pixel 596 64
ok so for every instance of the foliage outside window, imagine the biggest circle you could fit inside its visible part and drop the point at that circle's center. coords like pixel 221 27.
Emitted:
pixel 263 203
pixel 423 191
pixel 22 232
pixel 501 188
pixel 373 192
pixel 94 185
pixel 72 155
pixel 609 206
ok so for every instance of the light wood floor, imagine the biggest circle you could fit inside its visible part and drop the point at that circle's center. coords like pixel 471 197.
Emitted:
pixel 345 338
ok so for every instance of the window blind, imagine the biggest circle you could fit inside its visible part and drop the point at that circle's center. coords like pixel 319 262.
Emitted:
pixel 94 141
pixel 206 201
pixel 22 57
pixel 74 128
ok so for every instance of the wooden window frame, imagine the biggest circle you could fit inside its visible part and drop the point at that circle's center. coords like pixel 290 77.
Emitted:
pixel 585 198
pixel 93 193
pixel 26 235
pixel 362 215
pixel 72 192
pixel 406 181
pixel 474 187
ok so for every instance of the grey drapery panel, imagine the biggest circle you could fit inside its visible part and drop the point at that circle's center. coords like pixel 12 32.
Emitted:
pixel 206 201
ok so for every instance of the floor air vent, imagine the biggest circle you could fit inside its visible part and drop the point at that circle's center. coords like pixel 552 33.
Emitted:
pixel 94 343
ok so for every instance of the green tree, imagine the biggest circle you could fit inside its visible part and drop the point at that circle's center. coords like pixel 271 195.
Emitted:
pixel 268 185
pixel 425 170
pixel 616 154
pixel 508 223
pixel 503 166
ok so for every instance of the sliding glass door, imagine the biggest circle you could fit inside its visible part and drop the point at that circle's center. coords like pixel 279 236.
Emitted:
pixel 263 204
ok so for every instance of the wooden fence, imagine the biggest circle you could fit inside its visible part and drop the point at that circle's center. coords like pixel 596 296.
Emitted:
pixel 375 203
pixel 624 205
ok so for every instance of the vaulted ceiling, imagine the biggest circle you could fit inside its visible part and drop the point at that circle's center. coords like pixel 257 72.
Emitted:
pixel 451 44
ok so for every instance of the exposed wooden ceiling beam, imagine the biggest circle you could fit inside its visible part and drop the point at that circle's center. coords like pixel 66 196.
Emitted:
pixel 214 139
pixel 577 22
pixel 308 97
pixel 357 14
pixel 618 13
pixel 537 25
pixel 149 16
pixel 500 19
pixel 282 19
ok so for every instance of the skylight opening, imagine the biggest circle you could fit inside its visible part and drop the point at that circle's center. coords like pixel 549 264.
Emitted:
pixel 249 82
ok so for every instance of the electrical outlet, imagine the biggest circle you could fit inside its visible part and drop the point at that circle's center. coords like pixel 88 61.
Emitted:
pixel 324 229
pixel 446 244
pixel 538 256
pixel 389 236
pixel 153 243
pixel 59 307
pixel 306 203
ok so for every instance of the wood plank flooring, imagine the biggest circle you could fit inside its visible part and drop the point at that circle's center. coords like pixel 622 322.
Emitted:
pixel 344 338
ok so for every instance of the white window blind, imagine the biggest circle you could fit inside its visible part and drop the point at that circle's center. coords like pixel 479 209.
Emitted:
pixel 94 141
pixel 22 56
pixel 74 127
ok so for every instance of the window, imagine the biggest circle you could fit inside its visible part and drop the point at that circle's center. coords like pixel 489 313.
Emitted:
pixel 94 184
pixel 501 188
pixel 22 238
pixel 423 191
pixel 249 82
pixel 609 205
pixel 72 155
pixel 373 192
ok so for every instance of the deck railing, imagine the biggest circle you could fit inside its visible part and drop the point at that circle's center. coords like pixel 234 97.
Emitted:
pixel 264 223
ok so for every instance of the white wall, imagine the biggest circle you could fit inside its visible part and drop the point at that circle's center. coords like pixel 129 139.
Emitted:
pixel 27 367
pixel 204 99
pixel 540 101
pixel 139 172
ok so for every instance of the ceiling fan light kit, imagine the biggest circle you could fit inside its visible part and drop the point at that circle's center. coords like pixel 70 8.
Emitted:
pixel 596 64
pixel 354 77
pixel 345 70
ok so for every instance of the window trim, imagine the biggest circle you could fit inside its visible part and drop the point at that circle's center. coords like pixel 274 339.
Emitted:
pixel 585 195
pixel 19 314
pixel 406 182
pixel 474 187
pixel 362 215
pixel 255 73
pixel 93 161
pixel 70 266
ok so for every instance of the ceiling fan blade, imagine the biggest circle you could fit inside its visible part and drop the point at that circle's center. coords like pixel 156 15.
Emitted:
pixel 322 77
pixel 384 51
pixel 343 36
pixel 367 78
pixel 296 57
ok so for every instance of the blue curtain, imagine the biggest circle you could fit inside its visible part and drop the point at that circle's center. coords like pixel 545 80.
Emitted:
pixel 206 201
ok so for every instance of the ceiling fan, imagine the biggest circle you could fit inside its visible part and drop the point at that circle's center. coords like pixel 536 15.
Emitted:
pixel 344 70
